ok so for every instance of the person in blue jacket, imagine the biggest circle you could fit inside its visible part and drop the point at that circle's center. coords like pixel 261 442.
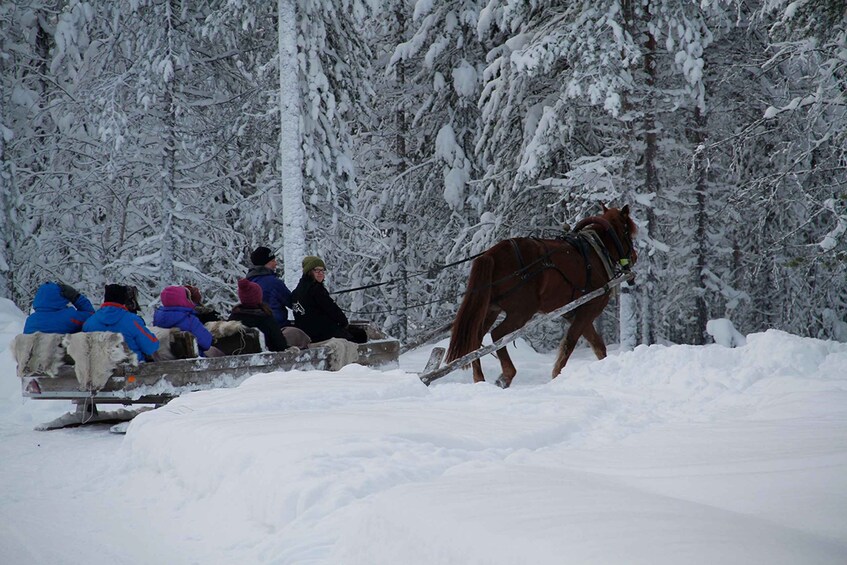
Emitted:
pixel 53 315
pixel 113 316
pixel 276 294
pixel 177 311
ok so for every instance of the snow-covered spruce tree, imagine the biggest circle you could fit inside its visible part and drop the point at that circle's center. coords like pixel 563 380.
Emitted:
pixel 249 77
pixel 157 209
pixel 381 155
pixel 551 143
pixel 8 213
pixel 795 258
pixel 674 94
pixel 429 199
pixel 591 92
pixel 44 139
pixel 188 201
pixel 333 64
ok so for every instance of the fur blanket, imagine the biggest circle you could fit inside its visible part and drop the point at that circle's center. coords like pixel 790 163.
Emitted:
pixel 96 354
pixel 225 328
pixel 39 353
pixel 235 331
pixel 341 352
pixel 174 344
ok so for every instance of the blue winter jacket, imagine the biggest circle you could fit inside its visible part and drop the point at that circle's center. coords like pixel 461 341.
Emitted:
pixel 53 315
pixel 274 293
pixel 114 317
pixel 185 319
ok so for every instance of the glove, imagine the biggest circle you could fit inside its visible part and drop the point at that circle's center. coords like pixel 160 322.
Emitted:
pixel 69 292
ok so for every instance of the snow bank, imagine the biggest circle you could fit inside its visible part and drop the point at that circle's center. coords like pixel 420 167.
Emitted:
pixel 646 457
pixel 15 409
pixel 660 455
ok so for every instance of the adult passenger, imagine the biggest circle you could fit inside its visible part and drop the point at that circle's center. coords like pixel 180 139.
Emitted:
pixel 113 316
pixel 274 292
pixel 58 309
pixel 315 312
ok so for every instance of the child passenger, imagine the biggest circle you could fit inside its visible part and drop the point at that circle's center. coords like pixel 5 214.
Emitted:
pixel 177 311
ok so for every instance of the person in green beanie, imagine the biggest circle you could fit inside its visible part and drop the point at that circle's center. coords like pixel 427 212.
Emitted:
pixel 315 312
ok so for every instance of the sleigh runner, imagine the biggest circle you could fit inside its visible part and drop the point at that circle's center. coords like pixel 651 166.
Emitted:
pixel 67 367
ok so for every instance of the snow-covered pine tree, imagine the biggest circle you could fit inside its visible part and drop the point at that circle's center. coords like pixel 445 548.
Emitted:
pixel 430 198
pixel 796 259
pixel 553 138
pixel 44 139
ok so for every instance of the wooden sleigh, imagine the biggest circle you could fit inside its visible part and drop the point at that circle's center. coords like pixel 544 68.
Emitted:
pixel 72 370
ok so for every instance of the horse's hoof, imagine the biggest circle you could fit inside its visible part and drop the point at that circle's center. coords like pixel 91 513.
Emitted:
pixel 502 383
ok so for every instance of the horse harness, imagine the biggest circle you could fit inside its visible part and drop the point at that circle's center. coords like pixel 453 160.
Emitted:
pixel 584 240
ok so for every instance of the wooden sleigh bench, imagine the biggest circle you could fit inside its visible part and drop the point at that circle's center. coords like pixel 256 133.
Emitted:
pixel 75 367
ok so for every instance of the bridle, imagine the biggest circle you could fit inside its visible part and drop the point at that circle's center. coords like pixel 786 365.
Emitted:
pixel 625 258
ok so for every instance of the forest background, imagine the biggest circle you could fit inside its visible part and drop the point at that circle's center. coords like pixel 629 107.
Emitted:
pixel 154 142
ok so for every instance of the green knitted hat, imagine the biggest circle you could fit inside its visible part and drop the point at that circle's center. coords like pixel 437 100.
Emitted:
pixel 312 262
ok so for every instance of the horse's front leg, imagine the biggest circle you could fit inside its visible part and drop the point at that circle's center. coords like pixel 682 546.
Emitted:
pixel 593 338
pixel 578 327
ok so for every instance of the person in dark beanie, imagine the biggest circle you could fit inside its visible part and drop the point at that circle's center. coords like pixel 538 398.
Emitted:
pixel 276 294
pixel 113 316
pixel 315 312
pixel 52 313
pixel 254 313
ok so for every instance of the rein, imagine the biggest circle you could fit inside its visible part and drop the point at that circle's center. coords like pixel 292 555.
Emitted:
pixel 407 276
pixel 524 271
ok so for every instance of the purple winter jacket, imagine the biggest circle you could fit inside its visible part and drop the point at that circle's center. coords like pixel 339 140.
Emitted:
pixel 177 311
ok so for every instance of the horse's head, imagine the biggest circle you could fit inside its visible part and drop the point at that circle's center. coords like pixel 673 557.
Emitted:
pixel 625 230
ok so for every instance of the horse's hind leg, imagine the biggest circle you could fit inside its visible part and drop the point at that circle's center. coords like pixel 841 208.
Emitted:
pixel 490 317
pixel 507 326
pixel 593 338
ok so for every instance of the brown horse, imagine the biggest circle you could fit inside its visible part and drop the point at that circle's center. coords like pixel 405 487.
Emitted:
pixel 523 276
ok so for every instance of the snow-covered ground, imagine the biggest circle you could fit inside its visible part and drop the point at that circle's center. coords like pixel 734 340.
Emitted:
pixel 662 455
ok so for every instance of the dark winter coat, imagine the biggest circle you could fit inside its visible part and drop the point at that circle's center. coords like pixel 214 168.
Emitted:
pixel 53 315
pixel 263 320
pixel 316 313
pixel 274 292
pixel 114 317
pixel 179 313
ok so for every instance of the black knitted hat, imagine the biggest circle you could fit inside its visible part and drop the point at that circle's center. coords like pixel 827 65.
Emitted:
pixel 261 256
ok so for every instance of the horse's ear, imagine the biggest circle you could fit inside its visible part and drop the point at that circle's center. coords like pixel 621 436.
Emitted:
pixel 604 207
pixel 625 210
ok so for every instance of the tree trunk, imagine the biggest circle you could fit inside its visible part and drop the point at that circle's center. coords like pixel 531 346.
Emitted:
pixel 697 136
pixel 168 185
pixel 6 183
pixel 628 327
pixel 400 148
pixel 290 145
pixel 651 181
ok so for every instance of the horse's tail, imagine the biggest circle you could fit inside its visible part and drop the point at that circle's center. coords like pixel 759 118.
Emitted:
pixel 466 335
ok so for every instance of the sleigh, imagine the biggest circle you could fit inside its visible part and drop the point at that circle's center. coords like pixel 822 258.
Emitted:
pixel 97 368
